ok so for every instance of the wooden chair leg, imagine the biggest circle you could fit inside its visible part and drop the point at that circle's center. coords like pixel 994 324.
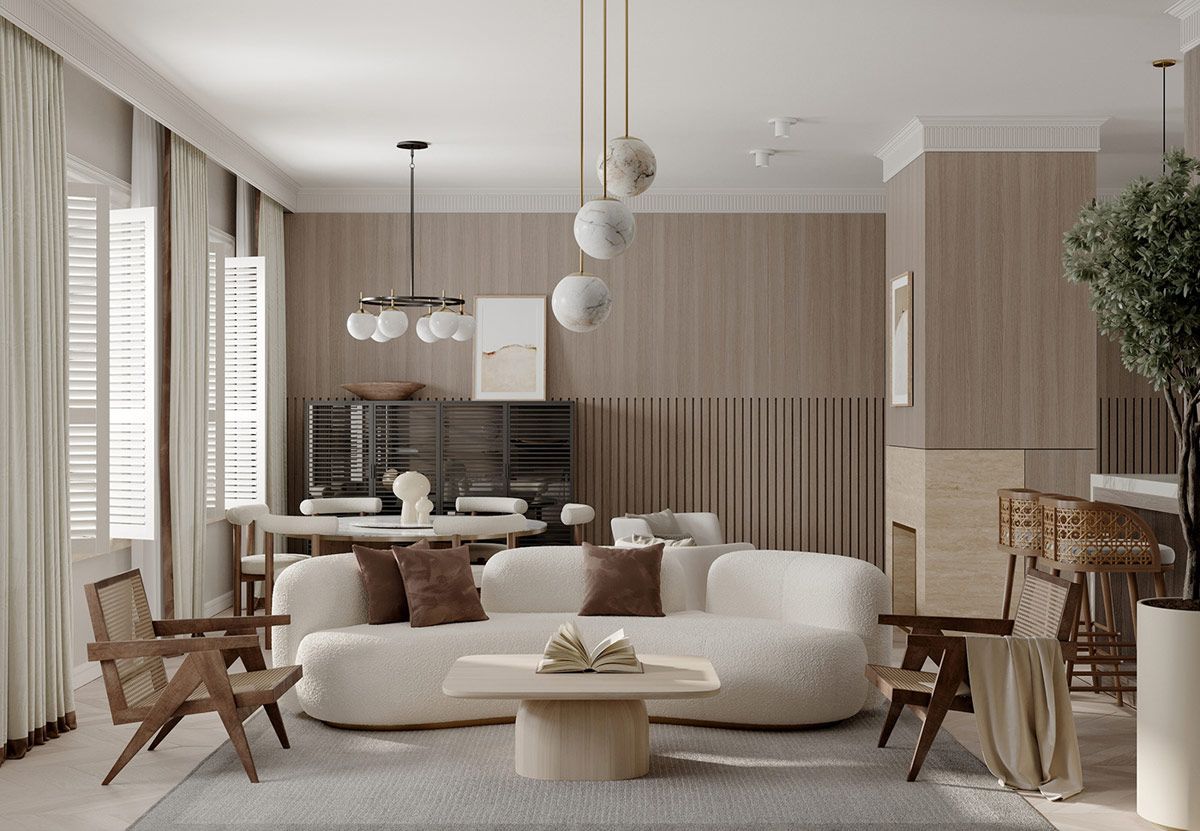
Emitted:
pixel 181 685
pixel 162 734
pixel 250 597
pixel 889 722
pixel 1110 621
pixel 276 718
pixel 950 675
pixel 268 581
pixel 237 570
pixel 1160 584
pixel 1009 576
pixel 216 680
pixel 1131 582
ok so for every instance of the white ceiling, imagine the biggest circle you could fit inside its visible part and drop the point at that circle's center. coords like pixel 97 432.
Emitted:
pixel 325 89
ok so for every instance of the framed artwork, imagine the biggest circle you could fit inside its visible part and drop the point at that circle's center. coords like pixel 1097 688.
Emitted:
pixel 900 340
pixel 510 348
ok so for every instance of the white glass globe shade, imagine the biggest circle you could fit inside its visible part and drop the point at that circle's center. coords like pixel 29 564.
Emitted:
pixel 379 337
pixel 393 323
pixel 423 330
pixel 631 166
pixel 581 302
pixel 604 228
pixel 360 325
pixel 466 328
pixel 443 323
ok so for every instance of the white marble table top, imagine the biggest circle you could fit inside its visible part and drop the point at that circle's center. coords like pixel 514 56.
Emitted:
pixel 1148 491
pixel 387 527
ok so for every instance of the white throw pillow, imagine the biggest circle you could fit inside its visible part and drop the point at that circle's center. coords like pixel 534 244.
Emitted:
pixel 642 540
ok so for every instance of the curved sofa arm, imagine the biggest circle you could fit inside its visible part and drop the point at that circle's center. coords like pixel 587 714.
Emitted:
pixel 801 587
pixel 319 593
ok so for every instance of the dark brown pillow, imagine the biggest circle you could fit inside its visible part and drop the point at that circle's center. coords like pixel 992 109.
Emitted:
pixel 439 585
pixel 622 581
pixel 386 602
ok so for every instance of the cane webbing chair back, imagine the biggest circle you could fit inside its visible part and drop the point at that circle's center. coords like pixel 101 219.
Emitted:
pixel 1048 607
pixel 1097 536
pixel 1020 519
pixel 120 612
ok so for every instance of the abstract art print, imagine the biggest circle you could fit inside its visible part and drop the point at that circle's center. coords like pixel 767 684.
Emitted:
pixel 510 348
pixel 900 341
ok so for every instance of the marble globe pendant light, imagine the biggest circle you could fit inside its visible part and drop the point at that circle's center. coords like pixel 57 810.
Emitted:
pixel 581 301
pixel 443 319
pixel 605 227
pixel 631 166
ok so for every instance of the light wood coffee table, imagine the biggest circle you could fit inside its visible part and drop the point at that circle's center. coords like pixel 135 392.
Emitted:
pixel 581 725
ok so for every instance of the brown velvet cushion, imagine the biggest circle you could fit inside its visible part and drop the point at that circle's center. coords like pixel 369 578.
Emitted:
pixel 622 581
pixel 439 585
pixel 386 602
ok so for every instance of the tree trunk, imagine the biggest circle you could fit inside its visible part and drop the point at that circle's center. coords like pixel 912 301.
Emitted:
pixel 1186 421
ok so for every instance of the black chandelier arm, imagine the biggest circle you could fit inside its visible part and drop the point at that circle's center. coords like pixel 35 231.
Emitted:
pixel 413 301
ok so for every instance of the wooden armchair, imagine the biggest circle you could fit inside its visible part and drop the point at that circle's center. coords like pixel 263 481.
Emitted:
pixel 1048 607
pixel 130 647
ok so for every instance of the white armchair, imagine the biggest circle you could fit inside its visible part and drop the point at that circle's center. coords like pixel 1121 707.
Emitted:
pixel 703 527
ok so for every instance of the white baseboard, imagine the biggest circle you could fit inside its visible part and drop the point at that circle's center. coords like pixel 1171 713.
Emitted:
pixel 218 604
pixel 84 673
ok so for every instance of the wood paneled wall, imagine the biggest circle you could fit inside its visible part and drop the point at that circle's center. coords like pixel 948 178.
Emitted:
pixel 1136 436
pixel 741 370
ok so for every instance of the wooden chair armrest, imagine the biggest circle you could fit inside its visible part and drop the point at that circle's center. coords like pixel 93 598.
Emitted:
pixel 167 647
pixel 982 625
pixel 199 625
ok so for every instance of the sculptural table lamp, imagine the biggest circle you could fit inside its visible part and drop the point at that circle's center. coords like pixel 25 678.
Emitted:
pixel 412 488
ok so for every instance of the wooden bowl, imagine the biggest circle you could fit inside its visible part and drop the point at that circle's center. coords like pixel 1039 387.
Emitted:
pixel 384 390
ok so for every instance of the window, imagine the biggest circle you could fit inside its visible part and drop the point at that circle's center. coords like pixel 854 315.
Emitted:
pixel 236 440
pixel 110 346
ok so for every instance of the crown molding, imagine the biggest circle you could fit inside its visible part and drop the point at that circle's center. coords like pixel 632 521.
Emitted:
pixel 1188 14
pixel 925 134
pixel 565 200
pixel 70 33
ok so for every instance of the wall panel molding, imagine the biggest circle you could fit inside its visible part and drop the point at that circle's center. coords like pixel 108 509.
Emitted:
pixel 1135 436
pixel 565 200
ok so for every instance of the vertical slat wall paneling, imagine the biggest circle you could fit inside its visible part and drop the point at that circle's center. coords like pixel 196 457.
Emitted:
pixel 1135 436
pixel 539 464
pixel 782 473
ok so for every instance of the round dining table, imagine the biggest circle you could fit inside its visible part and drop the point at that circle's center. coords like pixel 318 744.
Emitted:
pixel 387 529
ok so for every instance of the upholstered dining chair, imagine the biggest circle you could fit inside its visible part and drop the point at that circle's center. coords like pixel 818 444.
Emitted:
pixel 481 550
pixel 277 528
pixel 249 568
pixel 575 515
pixel 1048 607
pixel 323 506
pixel 131 646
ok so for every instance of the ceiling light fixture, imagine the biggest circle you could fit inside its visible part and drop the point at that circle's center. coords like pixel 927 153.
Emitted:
pixel 1164 64
pixel 604 227
pixel 783 125
pixel 631 163
pixel 445 317
pixel 762 157
pixel 581 301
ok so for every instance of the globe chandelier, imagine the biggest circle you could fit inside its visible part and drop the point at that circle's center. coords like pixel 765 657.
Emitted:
pixel 445 317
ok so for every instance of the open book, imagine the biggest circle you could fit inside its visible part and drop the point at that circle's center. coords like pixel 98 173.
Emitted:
pixel 566 652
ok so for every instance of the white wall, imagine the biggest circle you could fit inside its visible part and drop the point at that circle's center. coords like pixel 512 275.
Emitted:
pixel 99 124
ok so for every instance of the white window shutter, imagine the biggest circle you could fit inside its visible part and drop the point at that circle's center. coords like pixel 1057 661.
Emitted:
pixel 87 372
pixel 133 372
pixel 245 380
pixel 214 478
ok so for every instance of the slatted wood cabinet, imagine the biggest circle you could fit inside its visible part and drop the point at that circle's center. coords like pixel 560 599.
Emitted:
pixel 466 448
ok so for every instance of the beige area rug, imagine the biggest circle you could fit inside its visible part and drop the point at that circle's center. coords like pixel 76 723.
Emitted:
pixel 700 779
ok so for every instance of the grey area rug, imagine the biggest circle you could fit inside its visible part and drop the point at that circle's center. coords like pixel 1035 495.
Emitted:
pixel 700 778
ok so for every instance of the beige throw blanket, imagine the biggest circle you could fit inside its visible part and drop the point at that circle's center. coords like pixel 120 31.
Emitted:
pixel 1023 709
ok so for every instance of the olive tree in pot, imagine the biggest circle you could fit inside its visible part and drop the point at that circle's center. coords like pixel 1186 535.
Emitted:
pixel 1140 256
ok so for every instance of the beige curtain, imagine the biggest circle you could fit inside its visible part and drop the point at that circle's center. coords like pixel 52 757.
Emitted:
pixel 270 246
pixel 36 699
pixel 188 370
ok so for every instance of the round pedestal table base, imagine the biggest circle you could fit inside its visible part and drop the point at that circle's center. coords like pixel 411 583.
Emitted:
pixel 583 740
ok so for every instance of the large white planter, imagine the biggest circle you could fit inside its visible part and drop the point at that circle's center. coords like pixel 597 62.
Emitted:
pixel 1168 733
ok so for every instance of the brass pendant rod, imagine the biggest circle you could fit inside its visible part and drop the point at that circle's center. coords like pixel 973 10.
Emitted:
pixel 604 108
pixel 581 121
pixel 626 68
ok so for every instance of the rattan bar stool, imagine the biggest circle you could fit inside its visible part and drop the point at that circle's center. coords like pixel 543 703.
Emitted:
pixel 1103 539
pixel 1020 534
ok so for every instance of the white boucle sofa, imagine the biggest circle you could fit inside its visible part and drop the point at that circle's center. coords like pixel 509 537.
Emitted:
pixel 789 634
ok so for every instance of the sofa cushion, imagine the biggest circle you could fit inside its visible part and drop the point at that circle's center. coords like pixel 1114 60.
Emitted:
pixel 661 523
pixel 771 673
pixel 622 581
pixel 550 578
pixel 439 586
pixel 380 575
